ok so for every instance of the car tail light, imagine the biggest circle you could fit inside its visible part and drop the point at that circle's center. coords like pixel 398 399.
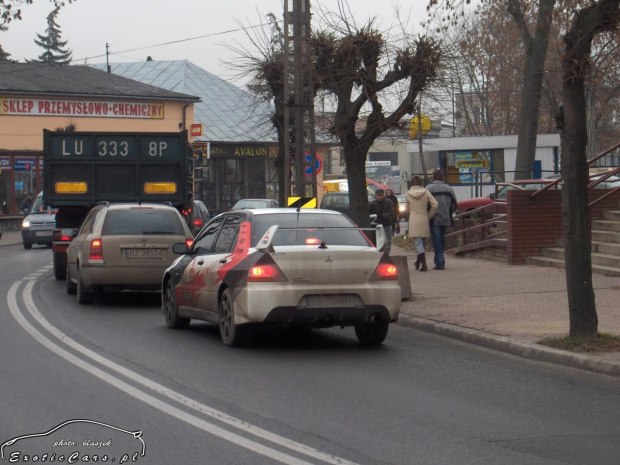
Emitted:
pixel 265 273
pixel 385 271
pixel 189 242
pixel 60 235
pixel 312 241
pixel 96 250
pixel 198 223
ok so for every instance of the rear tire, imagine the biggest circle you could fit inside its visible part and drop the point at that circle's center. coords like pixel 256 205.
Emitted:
pixel 71 287
pixel 171 309
pixel 84 297
pixel 232 335
pixel 372 333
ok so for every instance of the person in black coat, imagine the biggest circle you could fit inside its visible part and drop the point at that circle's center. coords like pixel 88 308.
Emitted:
pixel 389 194
pixel 384 209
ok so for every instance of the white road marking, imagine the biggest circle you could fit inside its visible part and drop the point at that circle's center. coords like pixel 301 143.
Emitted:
pixel 162 390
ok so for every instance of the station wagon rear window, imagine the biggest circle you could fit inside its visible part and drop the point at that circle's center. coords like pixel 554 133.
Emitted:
pixel 135 222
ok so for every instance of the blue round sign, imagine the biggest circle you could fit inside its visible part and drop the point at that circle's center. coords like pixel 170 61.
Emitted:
pixel 318 164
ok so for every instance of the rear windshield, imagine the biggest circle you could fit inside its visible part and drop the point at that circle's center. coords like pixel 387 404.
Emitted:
pixel 139 221
pixel 339 230
pixel 335 201
pixel 249 204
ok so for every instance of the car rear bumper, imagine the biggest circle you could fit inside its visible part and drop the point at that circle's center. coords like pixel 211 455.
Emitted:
pixel 129 277
pixel 272 303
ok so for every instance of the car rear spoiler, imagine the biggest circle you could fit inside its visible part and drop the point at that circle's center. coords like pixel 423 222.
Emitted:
pixel 266 242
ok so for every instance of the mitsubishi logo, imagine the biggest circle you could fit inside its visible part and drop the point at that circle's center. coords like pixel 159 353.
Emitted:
pixel 328 259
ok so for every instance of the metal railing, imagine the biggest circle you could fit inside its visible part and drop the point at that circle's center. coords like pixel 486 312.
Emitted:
pixel 489 233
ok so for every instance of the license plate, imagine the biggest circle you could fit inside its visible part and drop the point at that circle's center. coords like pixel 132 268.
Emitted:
pixel 332 300
pixel 144 253
pixel 43 233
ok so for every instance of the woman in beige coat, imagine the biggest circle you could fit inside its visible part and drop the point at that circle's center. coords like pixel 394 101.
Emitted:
pixel 422 207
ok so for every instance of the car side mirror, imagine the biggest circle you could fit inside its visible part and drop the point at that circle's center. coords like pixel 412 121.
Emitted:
pixel 492 195
pixel 180 248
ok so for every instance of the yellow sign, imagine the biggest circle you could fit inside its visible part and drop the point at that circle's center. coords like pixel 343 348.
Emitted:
pixel 414 126
pixel 302 202
pixel 71 187
pixel 160 187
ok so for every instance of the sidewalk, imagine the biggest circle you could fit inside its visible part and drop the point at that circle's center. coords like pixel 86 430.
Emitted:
pixel 507 308
pixel 502 307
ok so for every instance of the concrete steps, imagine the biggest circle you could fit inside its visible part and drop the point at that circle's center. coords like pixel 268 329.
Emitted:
pixel 605 248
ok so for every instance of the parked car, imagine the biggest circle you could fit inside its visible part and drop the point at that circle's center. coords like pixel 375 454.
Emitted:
pixel 337 201
pixel 498 207
pixel 310 268
pixel 199 216
pixel 38 225
pixel 403 209
pixel 124 246
pixel 255 203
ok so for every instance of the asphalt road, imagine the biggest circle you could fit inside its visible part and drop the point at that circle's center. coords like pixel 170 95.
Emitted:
pixel 293 397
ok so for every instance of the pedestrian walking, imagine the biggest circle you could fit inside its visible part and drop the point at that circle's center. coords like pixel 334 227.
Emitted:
pixel 384 209
pixel 389 194
pixel 422 208
pixel 445 196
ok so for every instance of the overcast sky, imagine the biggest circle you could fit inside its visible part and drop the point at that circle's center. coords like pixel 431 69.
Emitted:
pixel 135 29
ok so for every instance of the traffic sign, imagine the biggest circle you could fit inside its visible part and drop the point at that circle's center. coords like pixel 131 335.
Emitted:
pixel 414 127
pixel 318 164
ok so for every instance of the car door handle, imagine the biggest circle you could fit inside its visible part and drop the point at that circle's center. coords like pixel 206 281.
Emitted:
pixel 223 260
pixel 201 262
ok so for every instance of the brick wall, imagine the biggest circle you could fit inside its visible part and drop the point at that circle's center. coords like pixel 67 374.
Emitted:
pixel 536 223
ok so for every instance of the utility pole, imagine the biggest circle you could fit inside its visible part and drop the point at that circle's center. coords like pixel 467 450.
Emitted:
pixel 297 62
pixel 107 57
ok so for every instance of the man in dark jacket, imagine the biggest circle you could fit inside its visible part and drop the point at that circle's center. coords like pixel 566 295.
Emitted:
pixel 384 209
pixel 445 196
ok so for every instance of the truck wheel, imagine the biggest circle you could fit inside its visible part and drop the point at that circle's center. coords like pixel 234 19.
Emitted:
pixel 60 266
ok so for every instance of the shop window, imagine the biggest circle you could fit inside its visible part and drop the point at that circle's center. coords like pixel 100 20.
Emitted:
pixel 469 166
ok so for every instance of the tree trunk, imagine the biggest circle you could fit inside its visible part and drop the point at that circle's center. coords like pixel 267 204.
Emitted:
pixel 536 52
pixel 581 306
pixel 355 158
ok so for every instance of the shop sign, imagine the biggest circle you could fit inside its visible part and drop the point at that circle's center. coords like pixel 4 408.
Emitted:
pixel 22 164
pixel 196 130
pixel 242 151
pixel 5 163
pixel 470 165
pixel 84 108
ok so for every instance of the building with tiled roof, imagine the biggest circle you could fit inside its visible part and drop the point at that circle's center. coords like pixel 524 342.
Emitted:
pixel 35 96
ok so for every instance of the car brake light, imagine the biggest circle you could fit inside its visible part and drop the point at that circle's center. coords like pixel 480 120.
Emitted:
pixel 265 273
pixel 312 241
pixel 189 242
pixel 96 250
pixel 198 223
pixel 385 271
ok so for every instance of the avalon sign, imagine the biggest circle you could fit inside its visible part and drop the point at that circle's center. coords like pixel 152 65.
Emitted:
pixel 84 108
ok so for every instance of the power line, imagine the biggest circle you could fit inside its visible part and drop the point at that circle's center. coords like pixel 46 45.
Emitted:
pixel 214 34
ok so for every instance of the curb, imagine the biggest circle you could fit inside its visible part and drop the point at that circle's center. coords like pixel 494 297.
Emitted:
pixel 504 344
